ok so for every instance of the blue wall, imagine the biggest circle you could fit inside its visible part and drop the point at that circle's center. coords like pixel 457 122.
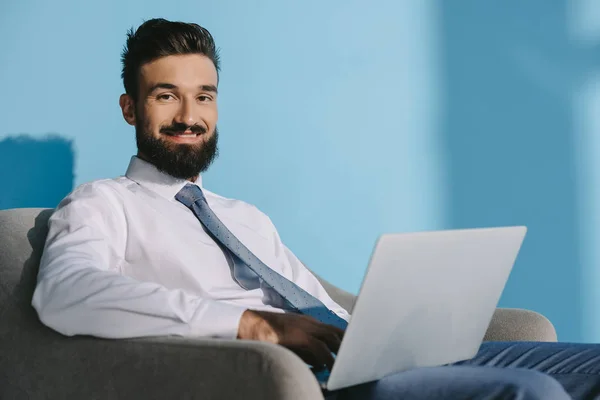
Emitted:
pixel 343 120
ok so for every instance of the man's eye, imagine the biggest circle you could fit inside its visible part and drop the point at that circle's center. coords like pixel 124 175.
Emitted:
pixel 204 98
pixel 165 96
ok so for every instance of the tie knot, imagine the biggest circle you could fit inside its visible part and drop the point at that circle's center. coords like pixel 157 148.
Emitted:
pixel 189 194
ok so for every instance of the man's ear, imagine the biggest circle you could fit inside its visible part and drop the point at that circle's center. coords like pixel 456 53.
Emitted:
pixel 128 108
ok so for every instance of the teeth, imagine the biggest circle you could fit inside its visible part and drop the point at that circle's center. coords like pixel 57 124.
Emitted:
pixel 190 135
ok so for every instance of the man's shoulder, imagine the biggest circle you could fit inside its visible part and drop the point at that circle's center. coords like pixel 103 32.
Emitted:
pixel 98 200
pixel 100 189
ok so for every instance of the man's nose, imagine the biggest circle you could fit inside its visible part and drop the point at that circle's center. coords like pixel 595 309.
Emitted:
pixel 185 114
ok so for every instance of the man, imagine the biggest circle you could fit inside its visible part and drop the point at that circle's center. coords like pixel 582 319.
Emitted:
pixel 155 253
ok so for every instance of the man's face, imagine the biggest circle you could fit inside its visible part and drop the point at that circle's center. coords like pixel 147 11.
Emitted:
pixel 176 114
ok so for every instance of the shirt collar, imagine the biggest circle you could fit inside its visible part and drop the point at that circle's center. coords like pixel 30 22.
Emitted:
pixel 148 176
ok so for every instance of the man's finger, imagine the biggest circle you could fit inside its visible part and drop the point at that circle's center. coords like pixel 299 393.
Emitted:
pixel 331 339
pixel 322 353
pixel 340 332
pixel 309 355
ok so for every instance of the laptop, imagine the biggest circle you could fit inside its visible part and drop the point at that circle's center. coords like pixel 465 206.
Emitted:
pixel 427 299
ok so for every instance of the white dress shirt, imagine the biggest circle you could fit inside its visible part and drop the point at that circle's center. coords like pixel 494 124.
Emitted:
pixel 124 259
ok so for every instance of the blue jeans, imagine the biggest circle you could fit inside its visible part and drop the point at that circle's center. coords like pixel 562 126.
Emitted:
pixel 513 370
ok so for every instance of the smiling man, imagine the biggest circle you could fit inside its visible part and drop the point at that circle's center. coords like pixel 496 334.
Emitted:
pixel 156 253
pixel 175 105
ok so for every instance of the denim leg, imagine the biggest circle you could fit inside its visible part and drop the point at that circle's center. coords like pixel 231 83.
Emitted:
pixel 457 383
pixel 575 366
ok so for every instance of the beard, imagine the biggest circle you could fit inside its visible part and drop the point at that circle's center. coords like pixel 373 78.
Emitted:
pixel 180 160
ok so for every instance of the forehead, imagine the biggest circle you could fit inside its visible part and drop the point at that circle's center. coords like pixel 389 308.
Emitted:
pixel 189 70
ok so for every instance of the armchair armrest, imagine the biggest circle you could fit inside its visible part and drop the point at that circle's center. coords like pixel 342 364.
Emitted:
pixel 513 325
pixel 56 367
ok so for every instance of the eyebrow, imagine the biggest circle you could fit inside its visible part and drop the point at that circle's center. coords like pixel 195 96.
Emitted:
pixel 170 86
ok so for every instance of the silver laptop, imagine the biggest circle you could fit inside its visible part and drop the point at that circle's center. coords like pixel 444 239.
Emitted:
pixel 427 300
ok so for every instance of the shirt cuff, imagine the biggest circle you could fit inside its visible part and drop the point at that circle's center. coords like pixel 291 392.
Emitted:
pixel 217 319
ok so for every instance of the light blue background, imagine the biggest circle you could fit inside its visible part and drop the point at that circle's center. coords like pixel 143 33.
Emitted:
pixel 346 119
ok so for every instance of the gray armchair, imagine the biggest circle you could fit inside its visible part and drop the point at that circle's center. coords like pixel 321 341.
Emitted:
pixel 38 363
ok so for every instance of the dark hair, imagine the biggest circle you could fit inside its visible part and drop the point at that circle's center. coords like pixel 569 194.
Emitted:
pixel 158 38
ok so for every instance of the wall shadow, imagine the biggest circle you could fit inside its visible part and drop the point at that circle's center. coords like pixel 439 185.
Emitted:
pixel 35 172
pixel 508 136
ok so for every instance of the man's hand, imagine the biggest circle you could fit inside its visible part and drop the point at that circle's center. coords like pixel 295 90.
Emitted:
pixel 310 339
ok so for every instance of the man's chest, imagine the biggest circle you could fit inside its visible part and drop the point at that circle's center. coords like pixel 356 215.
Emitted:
pixel 166 244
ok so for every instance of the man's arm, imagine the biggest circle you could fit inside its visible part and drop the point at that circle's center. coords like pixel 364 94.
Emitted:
pixel 81 291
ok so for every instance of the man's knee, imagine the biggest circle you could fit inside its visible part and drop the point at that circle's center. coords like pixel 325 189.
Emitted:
pixel 522 384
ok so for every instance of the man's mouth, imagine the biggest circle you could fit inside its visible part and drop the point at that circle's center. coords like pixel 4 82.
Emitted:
pixel 186 134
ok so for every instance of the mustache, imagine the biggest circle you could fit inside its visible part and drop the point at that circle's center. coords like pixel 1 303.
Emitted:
pixel 177 127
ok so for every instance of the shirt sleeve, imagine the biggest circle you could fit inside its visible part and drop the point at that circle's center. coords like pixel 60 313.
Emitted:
pixel 80 289
pixel 296 271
